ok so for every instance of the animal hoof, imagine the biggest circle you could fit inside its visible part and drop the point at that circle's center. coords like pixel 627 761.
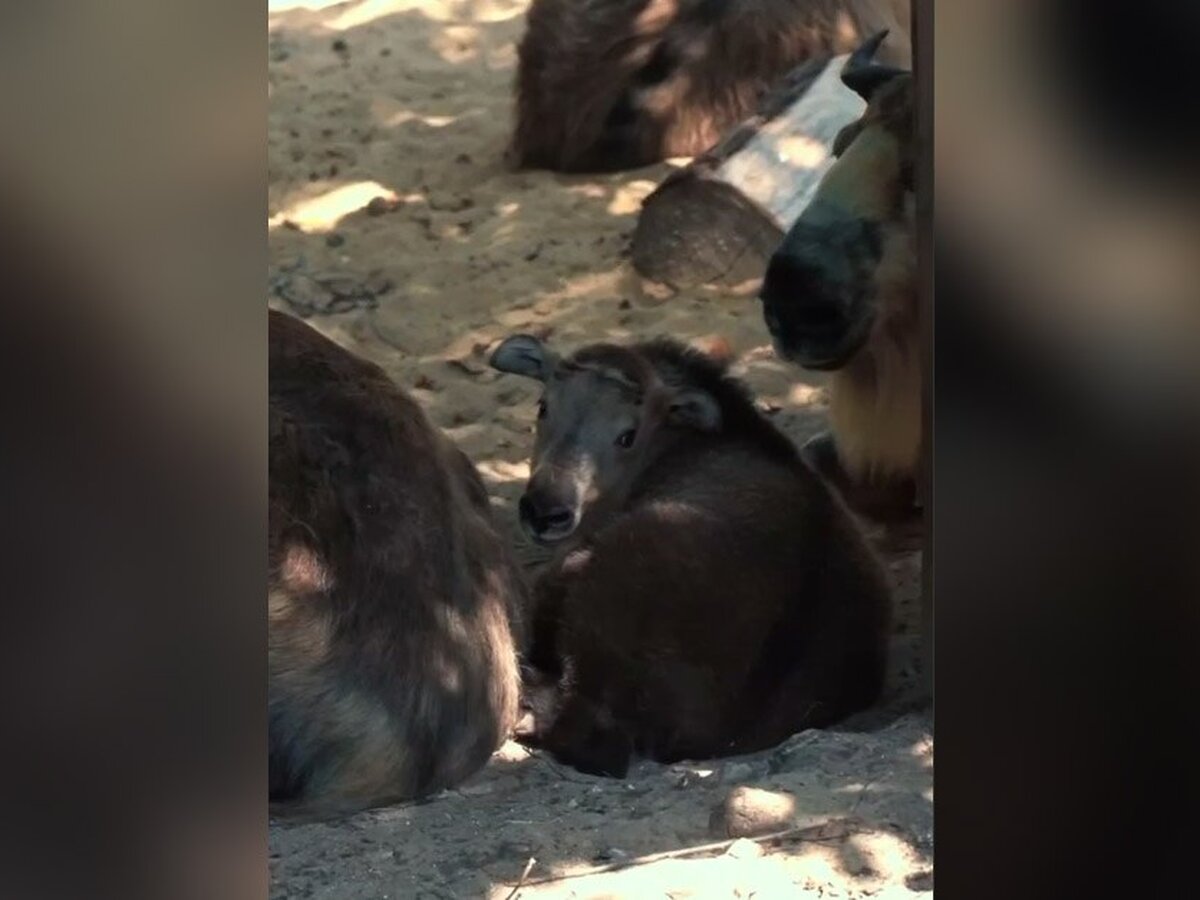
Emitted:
pixel 526 726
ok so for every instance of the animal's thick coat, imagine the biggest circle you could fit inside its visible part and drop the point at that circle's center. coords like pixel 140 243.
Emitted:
pixel 392 601
pixel 606 85
pixel 724 601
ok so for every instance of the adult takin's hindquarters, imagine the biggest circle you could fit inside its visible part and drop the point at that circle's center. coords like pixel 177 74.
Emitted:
pixel 392 601
pixel 708 594
pixel 840 295
pixel 606 85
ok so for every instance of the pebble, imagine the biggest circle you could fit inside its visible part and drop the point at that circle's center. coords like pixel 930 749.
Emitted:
pixel 379 205
pixel 752 812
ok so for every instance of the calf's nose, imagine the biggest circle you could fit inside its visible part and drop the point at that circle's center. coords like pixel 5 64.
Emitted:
pixel 546 520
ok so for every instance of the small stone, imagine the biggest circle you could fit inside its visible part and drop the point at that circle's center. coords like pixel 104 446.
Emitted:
pixel 611 854
pixel 919 881
pixel 333 239
pixel 340 46
pixel 624 304
pixel 715 346
pixel 378 206
pixel 752 812
pixel 656 291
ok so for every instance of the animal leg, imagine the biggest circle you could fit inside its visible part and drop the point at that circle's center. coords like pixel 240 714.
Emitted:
pixel 583 736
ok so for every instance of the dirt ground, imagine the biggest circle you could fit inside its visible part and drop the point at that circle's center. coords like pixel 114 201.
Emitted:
pixel 396 230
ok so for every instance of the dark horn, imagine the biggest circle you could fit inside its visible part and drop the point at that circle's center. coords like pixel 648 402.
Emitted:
pixel 862 74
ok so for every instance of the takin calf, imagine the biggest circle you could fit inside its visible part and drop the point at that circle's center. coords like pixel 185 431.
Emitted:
pixel 708 595
pixel 840 295
pixel 619 84
pixel 392 601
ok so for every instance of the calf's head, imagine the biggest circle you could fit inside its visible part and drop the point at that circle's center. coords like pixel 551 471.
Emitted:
pixel 604 415
pixel 822 290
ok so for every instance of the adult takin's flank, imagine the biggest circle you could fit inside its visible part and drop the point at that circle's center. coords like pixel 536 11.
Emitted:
pixel 607 85
pixel 392 601
pixel 708 595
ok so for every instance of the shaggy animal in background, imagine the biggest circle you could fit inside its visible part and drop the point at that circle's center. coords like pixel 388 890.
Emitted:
pixel 391 599
pixel 606 85
pixel 708 594
pixel 840 295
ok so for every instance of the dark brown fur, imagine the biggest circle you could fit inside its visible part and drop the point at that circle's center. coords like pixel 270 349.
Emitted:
pixel 719 601
pixel 392 601
pixel 606 85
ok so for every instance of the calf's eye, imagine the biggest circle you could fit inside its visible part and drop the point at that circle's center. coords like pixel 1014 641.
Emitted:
pixel 625 438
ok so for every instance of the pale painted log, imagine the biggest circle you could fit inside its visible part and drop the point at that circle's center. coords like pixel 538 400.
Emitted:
pixel 717 220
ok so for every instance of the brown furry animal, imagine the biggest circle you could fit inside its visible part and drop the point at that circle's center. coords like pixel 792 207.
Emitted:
pixel 392 602
pixel 606 85
pixel 709 595
pixel 840 295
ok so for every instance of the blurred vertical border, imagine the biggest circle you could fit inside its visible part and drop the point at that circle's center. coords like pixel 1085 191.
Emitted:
pixel 1066 295
pixel 133 468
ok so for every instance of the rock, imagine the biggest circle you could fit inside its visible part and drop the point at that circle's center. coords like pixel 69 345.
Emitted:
pixel 716 346
pixel 611 854
pixel 379 205
pixel 655 291
pixel 919 881
pixel 752 812
pixel 333 239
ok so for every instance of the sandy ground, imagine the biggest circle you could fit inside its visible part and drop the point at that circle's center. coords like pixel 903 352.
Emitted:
pixel 396 230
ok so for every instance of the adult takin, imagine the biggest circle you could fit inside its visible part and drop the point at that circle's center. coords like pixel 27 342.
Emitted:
pixel 608 85
pixel 707 594
pixel 840 295
pixel 393 605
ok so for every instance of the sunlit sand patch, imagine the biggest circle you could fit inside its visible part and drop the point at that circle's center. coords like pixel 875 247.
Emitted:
pixel 457 44
pixel 591 191
pixel 389 113
pixel 322 213
pixel 499 471
pixel 437 10
pixel 279 6
pixel 804 394
pixel 628 197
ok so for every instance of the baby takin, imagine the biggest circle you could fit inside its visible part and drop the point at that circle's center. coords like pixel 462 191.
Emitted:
pixel 707 594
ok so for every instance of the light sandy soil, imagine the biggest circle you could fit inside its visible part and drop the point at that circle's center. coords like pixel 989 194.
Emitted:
pixel 409 101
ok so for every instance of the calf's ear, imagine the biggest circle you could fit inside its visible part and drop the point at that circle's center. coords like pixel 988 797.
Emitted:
pixel 523 354
pixel 691 408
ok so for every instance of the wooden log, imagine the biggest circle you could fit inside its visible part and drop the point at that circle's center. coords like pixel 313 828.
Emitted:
pixel 718 220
